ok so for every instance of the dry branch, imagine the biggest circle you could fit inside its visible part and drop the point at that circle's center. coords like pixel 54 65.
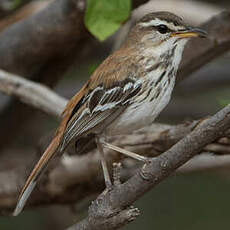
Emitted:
pixel 69 181
pixel 111 204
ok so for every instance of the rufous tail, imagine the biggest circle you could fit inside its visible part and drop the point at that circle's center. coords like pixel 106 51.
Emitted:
pixel 32 180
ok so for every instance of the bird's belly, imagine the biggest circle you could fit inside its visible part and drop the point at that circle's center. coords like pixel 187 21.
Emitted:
pixel 141 114
pixel 133 118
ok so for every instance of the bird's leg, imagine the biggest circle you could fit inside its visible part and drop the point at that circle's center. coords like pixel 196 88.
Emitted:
pixel 126 152
pixel 108 182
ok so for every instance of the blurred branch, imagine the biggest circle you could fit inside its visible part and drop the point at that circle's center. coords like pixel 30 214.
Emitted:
pixel 31 93
pixel 194 12
pixel 45 35
pixel 206 50
pixel 205 163
pixel 60 24
pixel 22 13
pixel 8 7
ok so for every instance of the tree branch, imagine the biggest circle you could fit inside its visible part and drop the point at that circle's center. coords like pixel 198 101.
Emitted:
pixel 110 204
pixel 31 93
pixel 30 43
pixel 208 49
pixel 22 13
pixel 69 180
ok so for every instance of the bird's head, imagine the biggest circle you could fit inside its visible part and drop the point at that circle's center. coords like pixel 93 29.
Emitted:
pixel 162 35
pixel 160 27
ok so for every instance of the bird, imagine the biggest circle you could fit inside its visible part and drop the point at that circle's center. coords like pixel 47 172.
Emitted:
pixel 126 92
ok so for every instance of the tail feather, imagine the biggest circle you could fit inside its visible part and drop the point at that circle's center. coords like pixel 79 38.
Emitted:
pixel 32 180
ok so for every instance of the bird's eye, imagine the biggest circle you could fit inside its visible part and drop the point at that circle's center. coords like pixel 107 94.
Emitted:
pixel 162 29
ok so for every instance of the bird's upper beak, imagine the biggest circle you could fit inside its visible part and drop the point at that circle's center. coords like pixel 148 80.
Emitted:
pixel 190 32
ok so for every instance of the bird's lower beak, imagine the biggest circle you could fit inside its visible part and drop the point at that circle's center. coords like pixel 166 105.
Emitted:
pixel 190 32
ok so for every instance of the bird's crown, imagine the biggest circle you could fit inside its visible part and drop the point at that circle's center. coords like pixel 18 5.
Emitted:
pixel 166 23
pixel 162 16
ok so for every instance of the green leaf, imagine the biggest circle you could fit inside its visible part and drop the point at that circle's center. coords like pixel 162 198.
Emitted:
pixel 104 17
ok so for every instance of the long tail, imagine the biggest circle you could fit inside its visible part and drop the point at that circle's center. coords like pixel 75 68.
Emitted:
pixel 32 180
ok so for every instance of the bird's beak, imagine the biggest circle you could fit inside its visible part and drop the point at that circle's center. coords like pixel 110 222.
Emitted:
pixel 190 32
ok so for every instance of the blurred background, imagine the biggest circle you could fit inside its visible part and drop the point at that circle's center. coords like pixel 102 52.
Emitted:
pixel 193 201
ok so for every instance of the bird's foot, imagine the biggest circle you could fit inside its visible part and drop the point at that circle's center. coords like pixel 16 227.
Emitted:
pixel 116 178
pixel 103 208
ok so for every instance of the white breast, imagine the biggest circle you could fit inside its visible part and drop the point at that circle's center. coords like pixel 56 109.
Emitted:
pixel 148 107
pixel 157 95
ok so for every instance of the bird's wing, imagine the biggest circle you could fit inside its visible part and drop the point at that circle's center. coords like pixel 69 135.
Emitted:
pixel 98 108
pixel 106 94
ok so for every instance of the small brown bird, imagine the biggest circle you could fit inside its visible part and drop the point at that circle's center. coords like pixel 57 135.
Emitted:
pixel 126 92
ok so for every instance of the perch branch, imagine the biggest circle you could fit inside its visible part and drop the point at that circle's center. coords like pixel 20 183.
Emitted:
pixel 111 204
pixel 66 182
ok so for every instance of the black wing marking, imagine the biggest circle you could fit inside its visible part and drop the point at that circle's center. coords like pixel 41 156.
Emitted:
pixel 100 106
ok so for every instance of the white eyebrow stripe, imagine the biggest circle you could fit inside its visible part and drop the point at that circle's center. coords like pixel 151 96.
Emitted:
pixel 154 22
pixel 157 22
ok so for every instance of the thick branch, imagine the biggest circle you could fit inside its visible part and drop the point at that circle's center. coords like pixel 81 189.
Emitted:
pixel 22 13
pixel 113 202
pixel 30 43
pixel 69 181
